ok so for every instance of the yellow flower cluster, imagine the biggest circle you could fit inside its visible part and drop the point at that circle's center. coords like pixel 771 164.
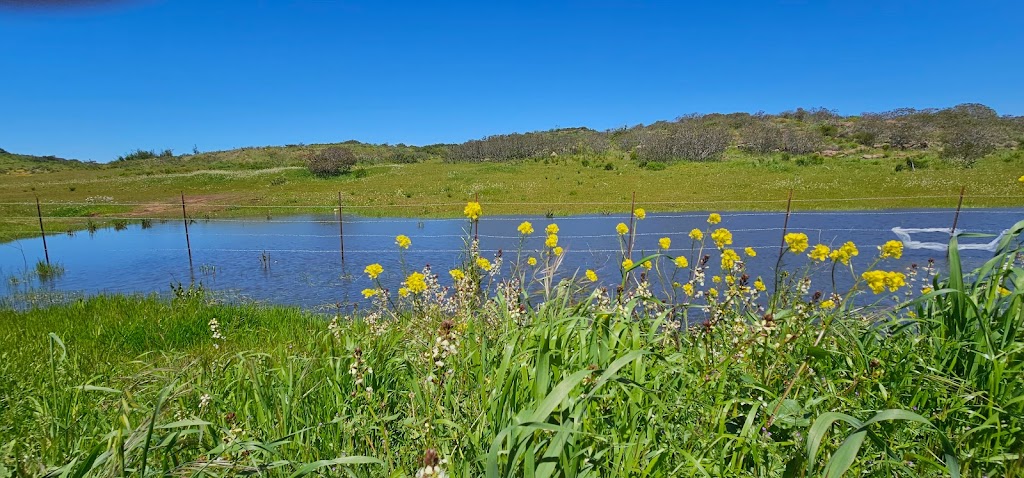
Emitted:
pixel 626 264
pixel 532 261
pixel 551 241
pixel 416 283
pixel 557 251
pixel 647 265
pixel 665 243
pixel 688 289
pixel 473 210
pixel 681 262
pixel 759 285
pixel 457 274
pixel 797 242
pixel 819 253
pixel 1003 291
pixel 828 304
pixel 640 213
pixel 551 229
pixel 696 234
pixel 729 259
pixel 483 263
pixel 878 281
pixel 525 228
pixel 373 270
pixel 591 275
pixel 844 253
pixel 622 229
pixel 403 241
pixel 750 252
pixel 714 218
pixel 722 237
pixel 893 249
pixel 367 293
pixel 1021 179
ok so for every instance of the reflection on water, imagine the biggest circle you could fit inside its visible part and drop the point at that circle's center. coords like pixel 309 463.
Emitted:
pixel 296 260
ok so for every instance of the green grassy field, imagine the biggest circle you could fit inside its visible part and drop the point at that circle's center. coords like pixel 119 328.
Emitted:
pixel 571 382
pixel 272 181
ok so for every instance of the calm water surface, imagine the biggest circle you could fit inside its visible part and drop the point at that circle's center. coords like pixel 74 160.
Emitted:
pixel 304 266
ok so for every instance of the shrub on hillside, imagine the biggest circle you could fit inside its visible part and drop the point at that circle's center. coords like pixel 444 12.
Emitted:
pixel 331 161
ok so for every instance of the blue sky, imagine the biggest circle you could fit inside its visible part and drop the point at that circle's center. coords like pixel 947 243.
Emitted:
pixel 98 81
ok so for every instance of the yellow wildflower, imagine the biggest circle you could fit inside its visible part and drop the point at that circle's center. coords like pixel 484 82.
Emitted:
pixel 557 251
pixel 925 290
pixel 403 291
pixel 1003 291
pixel 367 293
pixel 878 280
pixel 532 261
pixel 696 234
pixel 716 279
pixel 895 280
pixel 665 243
pixel 729 279
pixel 1021 179
pixel 551 229
pixel 483 263
pixel 729 259
pixel 722 237
pixel 373 270
pixel 893 249
pixel 688 289
pixel 551 241
pixel 473 210
pixel 416 283
pixel 827 304
pixel 797 242
pixel 626 264
pixel 640 213
pixel 714 218
pixel 844 253
pixel 457 274
pixel 525 228
pixel 750 251
pixel 647 265
pixel 759 285
pixel 875 280
pixel 591 275
pixel 622 229
pixel 403 241
pixel 712 292
pixel 819 253
pixel 681 262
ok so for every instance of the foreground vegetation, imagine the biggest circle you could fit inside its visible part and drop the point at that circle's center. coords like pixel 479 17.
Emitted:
pixel 506 373
pixel 898 159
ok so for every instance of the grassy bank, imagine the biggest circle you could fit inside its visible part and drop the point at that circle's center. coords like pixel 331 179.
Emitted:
pixel 486 379
pixel 243 185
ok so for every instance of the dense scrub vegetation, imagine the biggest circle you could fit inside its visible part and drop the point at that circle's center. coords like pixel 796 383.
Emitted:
pixel 962 134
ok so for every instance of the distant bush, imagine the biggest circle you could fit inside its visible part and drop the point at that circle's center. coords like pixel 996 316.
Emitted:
pixel 145 154
pixel 812 160
pixel 655 166
pixel 331 161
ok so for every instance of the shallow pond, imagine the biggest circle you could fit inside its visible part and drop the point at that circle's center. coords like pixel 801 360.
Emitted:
pixel 295 260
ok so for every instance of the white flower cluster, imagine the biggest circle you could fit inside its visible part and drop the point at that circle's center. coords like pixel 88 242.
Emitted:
pixel 215 332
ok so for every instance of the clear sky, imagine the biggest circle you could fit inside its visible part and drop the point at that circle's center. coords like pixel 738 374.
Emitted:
pixel 97 81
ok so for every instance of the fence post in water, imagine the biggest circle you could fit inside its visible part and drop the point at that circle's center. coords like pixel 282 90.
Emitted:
pixel 956 216
pixel 632 210
pixel 42 231
pixel 782 250
pixel 341 229
pixel 476 224
pixel 188 242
